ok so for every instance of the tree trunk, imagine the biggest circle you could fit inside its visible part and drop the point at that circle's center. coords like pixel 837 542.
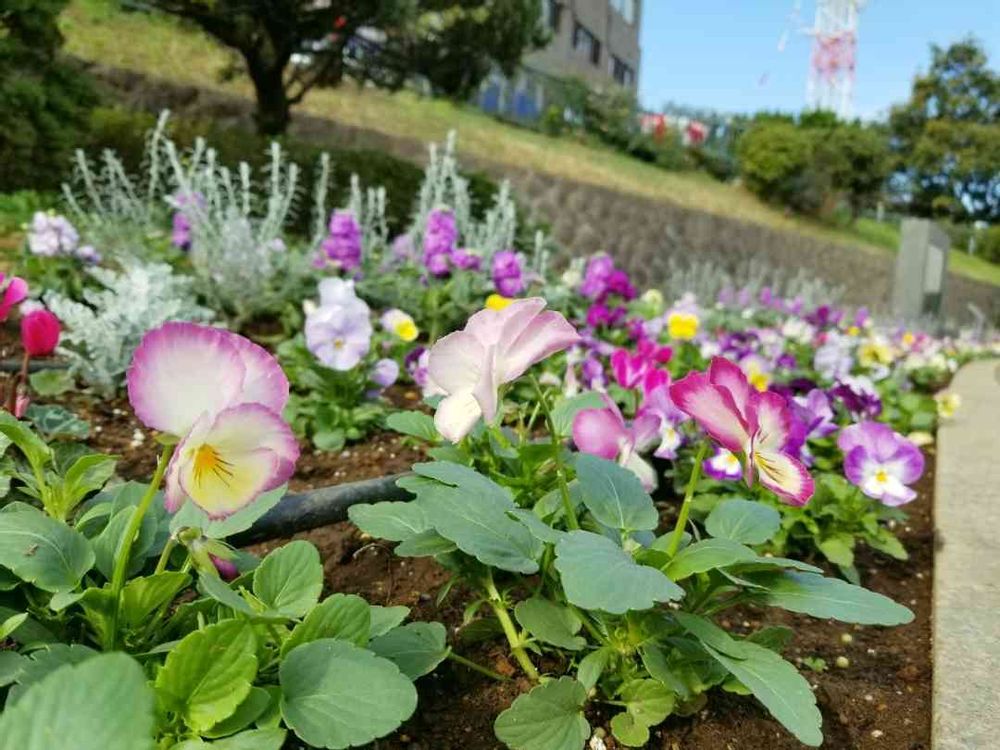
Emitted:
pixel 273 109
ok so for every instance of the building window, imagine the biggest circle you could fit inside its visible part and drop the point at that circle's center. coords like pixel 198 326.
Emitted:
pixel 626 8
pixel 621 71
pixel 587 43
pixel 551 14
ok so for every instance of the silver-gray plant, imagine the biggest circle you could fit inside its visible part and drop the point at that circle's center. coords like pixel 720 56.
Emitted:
pixel 100 336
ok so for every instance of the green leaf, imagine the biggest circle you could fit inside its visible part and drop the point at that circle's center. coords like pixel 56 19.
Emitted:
pixel 11 664
pixel 342 616
pixel 774 637
pixel 141 597
pixel 815 595
pixel 252 707
pixel 427 544
pixel 41 550
pixel 385 619
pixel 598 574
pixel 614 494
pixel 658 666
pixel 416 648
pixel 414 423
pixel 647 703
pixel 215 588
pixel 550 717
pixel 12 623
pixel 538 528
pixel 106 545
pixel 253 739
pixel 329 440
pixel 103 703
pixel 54 422
pixel 191 516
pixel 566 409
pixel 335 695
pixel 30 631
pixel 708 555
pixel 474 517
pixel 395 521
pixel 779 686
pixel 838 549
pixel 290 579
pixel 47 383
pixel 208 675
pixel 550 623
pixel 592 666
pixel 87 474
pixel 887 542
pixel 743 521
pixel 33 447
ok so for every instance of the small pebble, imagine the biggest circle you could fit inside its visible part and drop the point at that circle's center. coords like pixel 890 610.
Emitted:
pixel 876 733
pixel 843 662
pixel 846 638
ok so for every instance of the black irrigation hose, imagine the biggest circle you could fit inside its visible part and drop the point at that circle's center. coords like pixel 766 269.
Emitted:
pixel 35 365
pixel 307 510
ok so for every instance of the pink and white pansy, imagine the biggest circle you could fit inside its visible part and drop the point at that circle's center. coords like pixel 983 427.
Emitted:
pixel 881 462
pixel 758 426
pixel 603 432
pixel 494 348
pixel 221 396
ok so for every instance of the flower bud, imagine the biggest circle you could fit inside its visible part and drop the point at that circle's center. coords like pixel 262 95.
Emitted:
pixel 40 331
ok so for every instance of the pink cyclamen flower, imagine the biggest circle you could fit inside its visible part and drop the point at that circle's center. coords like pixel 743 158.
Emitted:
pixel 495 347
pixel 745 421
pixel 603 432
pixel 15 291
pixel 881 462
pixel 222 396
pixel 40 331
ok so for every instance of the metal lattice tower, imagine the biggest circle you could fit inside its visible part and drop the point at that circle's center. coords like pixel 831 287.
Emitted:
pixel 832 65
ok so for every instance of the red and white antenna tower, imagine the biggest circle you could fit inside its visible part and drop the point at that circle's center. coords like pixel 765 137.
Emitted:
pixel 833 62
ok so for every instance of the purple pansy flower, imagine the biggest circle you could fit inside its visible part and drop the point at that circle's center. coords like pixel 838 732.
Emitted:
pixel 385 372
pixel 881 462
pixel 723 466
pixel 859 396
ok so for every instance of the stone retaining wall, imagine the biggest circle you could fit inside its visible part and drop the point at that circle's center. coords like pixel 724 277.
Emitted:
pixel 641 233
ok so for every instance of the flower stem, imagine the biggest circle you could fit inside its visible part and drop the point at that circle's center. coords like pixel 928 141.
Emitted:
pixel 682 517
pixel 510 630
pixel 571 520
pixel 161 564
pixel 477 667
pixel 124 551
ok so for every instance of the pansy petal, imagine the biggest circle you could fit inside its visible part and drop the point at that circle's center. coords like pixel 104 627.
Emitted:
pixel 181 371
pixel 728 375
pixel 547 333
pixel 264 381
pixel 456 362
pixel 457 414
pixel 713 409
pixel 784 476
pixel 774 420
pixel 599 432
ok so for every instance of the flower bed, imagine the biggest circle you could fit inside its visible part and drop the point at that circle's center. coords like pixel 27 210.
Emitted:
pixel 698 517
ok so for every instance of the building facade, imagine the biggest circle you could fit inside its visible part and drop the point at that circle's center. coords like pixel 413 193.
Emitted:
pixel 596 41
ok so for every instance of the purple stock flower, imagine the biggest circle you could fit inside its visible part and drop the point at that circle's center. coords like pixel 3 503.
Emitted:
pixel 881 462
pixel 825 316
pixel 468 260
pixel 385 372
pixel 343 244
pixel 507 277
pixel 180 235
pixel 601 279
pixel 440 236
pixel 723 465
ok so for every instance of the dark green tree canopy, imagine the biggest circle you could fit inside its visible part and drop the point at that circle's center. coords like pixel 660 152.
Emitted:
pixel 290 46
pixel 946 138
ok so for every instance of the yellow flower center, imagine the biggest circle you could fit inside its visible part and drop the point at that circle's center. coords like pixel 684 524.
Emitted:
pixel 908 338
pixel 881 476
pixel 497 302
pixel 853 331
pixel 731 460
pixel 683 326
pixel 407 330
pixel 759 380
pixel 207 460
pixel 338 343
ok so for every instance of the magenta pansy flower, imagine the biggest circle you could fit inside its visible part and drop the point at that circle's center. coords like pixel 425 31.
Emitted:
pixel 495 347
pixel 656 403
pixel 603 432
pixel 628 369
pixel 758 426
pixel 222 396
pixel 881 462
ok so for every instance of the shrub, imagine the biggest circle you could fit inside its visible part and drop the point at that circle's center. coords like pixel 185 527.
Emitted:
pixel 773 158
pixel 988 244
pixel 43 101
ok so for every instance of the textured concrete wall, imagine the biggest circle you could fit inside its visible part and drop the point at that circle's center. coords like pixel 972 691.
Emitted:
pixel 641 233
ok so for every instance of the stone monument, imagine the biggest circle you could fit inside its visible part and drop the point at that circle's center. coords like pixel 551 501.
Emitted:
pixel 921 270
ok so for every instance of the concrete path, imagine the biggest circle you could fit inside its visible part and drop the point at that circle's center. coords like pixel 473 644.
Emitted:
pixel 967 567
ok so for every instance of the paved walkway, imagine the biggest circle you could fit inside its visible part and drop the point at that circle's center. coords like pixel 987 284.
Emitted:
pixel 967 567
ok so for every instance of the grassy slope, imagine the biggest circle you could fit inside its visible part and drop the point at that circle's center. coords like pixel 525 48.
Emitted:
pixel 163 47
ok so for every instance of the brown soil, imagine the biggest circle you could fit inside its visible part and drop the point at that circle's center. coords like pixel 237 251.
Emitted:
pixel 881 700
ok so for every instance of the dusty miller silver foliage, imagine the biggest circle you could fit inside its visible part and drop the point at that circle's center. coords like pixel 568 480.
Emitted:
pixel 101 334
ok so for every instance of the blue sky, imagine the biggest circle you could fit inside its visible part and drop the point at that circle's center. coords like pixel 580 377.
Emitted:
pixel 724 54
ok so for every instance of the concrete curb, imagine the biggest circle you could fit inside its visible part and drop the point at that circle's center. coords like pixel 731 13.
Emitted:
pixel 967 566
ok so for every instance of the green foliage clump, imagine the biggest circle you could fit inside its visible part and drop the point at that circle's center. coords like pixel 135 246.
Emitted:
pixel 43 101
